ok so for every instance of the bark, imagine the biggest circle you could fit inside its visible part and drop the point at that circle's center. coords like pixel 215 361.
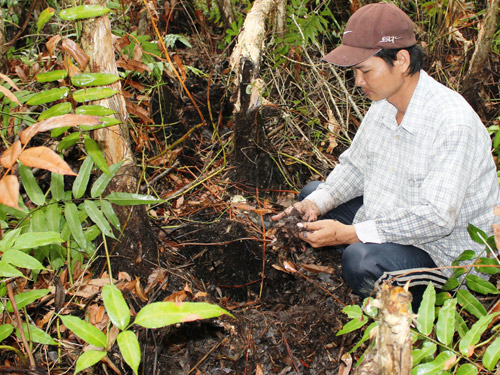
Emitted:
pixel 251 152
pixel 115 143
pixel 476 72
pixel 226 12
pixel 3 47
pixel 391 351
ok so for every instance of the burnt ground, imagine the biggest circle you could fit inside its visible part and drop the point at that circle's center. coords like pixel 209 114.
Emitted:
pixel 284 323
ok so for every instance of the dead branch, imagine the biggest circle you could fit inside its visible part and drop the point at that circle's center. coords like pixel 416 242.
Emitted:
pixel 475 73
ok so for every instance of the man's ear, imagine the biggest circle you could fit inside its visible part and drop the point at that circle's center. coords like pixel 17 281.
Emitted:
pixel 403 60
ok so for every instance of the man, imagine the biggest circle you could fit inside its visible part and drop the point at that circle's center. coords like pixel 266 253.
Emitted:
pixel 418 171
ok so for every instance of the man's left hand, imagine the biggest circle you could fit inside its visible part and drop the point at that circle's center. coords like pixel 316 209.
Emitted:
pixel 327 233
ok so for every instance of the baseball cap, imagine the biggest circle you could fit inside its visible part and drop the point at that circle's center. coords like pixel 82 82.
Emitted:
pixel 371 28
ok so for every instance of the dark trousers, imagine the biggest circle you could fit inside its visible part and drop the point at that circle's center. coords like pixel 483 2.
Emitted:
pixel 366 265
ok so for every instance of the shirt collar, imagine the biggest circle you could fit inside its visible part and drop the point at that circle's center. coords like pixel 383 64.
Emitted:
pixel 409 123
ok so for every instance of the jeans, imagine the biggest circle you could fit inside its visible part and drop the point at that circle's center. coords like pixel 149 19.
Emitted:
pixel 366 265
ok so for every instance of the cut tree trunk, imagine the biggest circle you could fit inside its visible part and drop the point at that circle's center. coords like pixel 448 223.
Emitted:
pixel 390 354
pixel 472 87
pixel 251 156
pixel 137 243
pixel 3 47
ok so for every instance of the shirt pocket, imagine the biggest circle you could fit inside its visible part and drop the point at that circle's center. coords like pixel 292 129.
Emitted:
pixel 412 189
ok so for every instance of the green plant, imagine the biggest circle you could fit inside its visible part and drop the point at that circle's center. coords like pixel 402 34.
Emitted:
pixel 154 315
pixel 454 332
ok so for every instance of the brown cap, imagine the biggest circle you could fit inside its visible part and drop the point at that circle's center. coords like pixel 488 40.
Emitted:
pixel 371 28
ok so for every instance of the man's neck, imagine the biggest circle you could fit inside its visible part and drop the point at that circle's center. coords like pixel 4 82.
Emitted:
pixel 404 95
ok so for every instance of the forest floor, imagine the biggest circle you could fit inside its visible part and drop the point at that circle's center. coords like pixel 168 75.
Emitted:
pixel 286 302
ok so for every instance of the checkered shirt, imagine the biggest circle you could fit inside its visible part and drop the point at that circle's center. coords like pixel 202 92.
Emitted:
pixel 423 181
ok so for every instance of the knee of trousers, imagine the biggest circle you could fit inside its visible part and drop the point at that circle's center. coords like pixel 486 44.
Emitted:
pixel 308 189
pixel 360 269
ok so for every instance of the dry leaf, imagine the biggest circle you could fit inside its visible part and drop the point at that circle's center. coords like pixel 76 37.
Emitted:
pixel 70 67
pixel 318 269
pixel 9 81
pixel 57 122
pixel 346 365
pixel 52 43
pixel 137 110
pixel 156 277
pixel 9 156
pixel 180 66
pixel 177 297
pixel 9 95
pixel 258 370
pixel 139 292
pixel 43 157
pixel 9 191
pixel 132 65
pixel 450 362
pixel 75 52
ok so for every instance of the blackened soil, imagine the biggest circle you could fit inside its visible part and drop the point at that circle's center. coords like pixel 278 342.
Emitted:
pixel 284 323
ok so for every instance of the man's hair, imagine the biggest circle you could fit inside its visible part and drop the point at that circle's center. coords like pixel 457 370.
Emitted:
pixel 417 57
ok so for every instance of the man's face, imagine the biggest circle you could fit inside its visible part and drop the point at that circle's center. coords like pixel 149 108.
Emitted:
pixel 378 80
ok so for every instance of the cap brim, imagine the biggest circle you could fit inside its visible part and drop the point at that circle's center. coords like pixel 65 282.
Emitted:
pixel 348 56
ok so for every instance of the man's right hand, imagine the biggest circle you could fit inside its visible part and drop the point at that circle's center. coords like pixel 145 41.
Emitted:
pixel 306 208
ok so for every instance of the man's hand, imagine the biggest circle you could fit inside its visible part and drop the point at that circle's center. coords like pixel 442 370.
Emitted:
pixel 327 233
pixel 307 209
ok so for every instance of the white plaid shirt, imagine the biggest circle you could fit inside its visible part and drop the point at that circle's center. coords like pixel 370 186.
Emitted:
pixel 423 181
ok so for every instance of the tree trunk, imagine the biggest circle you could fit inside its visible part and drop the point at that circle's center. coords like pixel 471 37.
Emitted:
pixel 391 352
pixel 226 12
pixel 137 243
pixel 471 87
pixel 3 47
pixel 251 155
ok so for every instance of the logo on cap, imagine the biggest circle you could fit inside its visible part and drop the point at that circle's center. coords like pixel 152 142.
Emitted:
pixel 389 39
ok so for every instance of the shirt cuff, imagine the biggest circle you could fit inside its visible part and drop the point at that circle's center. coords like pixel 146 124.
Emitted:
pixel 367 232
pixel 322 199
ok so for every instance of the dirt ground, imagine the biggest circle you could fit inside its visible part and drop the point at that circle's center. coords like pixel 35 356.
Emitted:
pixel 284 323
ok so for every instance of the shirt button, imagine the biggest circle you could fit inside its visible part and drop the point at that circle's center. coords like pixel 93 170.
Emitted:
pixel 397 137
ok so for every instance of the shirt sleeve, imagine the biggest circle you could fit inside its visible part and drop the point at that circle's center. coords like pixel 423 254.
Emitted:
pixel 345 182
pixel 441 192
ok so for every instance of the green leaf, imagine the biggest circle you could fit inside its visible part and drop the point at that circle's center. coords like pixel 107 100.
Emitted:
pixel 460 325
pixel 57 186
pixel 479 285
pixel 9 238
pixel 353 325
pixel 426 311
pixel 353 311
pixel 88 359
pixel 31 186
pixel 25 298
pixel 467 369
pixel 56 110
pixel 427 350
pixel 130 349
pixel 75 227
pixel 492 267
pixel 102 182
pixel 68 141
pixel 477 234
pixel 470 303
pixel 131 199
pixel 32 240
pixel 48 96
pixel 472 337
pixel 52 76
pixel 83 11
pixel 110 214
pixel 82 180
pixel 434 367
pixel 161 314
pixel 466 255
pixel 492 355
pixel 95 93
pixel 445 327
pixel 96 154
pixel 53 214
pixel 442 297
pixel 21 260
pixel 117 308
pixel 6 270
pixel 98 217
pixel 94 79
pixel 366 336
pixel 105 122
pixel 35 334
pixel 94 110
pixel 85 331
pixel 43 18
pixel 5 331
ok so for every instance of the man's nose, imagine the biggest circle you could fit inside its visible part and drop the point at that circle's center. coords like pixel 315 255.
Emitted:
pixel 359 80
